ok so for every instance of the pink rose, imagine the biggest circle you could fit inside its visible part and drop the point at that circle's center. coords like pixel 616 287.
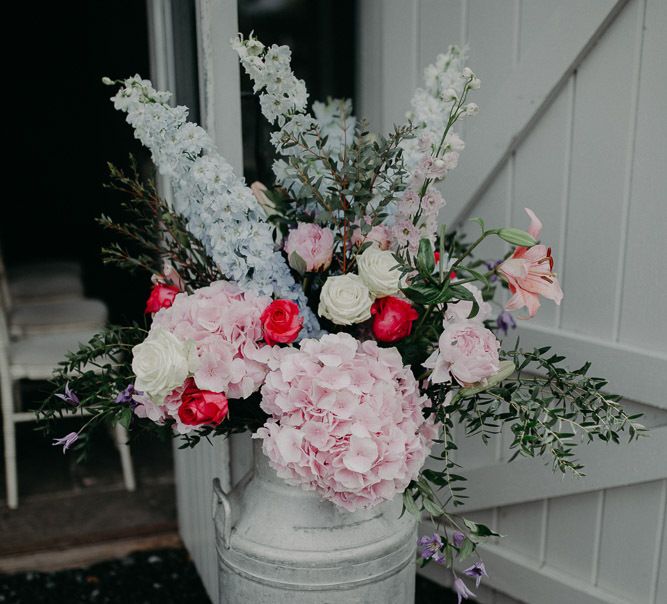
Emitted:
pixel 281 322
pixel 393 319
pixel 199 407
pixel 467 351
pixel 313 244
pixel 162 296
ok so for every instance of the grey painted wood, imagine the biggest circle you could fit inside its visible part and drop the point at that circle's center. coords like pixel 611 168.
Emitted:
pixel 571 125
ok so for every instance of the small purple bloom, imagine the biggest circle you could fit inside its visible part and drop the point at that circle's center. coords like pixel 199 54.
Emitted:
pixel 429 548
pixel 505 321
pixel 126 397
pixel 66 441
pixel 492 266
pixel 462 590
pixel 458 538
pixel 477 570
pixel 69 396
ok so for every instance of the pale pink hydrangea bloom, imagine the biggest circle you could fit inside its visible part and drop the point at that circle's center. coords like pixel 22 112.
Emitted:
pixel 347 420
pixel 229 354
pixel 467 351
pixel 313 243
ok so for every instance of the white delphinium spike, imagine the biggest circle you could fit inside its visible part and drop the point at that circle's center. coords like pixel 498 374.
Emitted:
pixel 218 207
pixel 283 101
pixel 435 149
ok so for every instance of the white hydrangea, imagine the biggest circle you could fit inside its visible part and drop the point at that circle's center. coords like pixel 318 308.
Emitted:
pixel 218 207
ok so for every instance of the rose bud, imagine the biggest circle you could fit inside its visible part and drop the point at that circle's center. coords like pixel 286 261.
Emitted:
pixel 200 407
pixel 281 322
pixel 393 319
pixel 162 296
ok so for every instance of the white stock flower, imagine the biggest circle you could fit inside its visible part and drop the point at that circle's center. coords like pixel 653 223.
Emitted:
pixel 378 270
pixel 345 300
pixel 160 363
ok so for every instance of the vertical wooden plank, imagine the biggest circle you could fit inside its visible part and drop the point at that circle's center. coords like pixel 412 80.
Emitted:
pixel 596 188
pixel 491 31
pixel 571 534
pixel 493 209
pixel 522 525
pixel 659 587
pixel 540 171
pixel 630 518
pixel 369 62
pixel 399 59
pixel 439 27
pixel 641 322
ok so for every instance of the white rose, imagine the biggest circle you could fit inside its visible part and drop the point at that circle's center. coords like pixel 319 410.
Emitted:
pixel 377 269
pixel 345 300
pixel 160 363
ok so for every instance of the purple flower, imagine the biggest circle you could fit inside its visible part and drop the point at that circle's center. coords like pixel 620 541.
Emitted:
pixel 477 570
pixel 458 538
pixel 66 441
pixel 126 397
pixel 505 321
pixel 69 396
pixel 429 548
pixel 492 266
pixel 462 590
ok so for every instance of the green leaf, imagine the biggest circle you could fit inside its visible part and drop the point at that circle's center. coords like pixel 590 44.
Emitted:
pixel 466 549
pixel 425 257
pixel 423 294
pixel 516 237
pixel 298 263
pixel 409 503
pixel 507 368
pixel 479 221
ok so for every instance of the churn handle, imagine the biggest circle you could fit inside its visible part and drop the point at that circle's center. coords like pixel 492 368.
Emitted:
pixel 222 506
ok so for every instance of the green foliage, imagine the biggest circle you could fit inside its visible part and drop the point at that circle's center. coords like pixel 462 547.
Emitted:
pixel 154 233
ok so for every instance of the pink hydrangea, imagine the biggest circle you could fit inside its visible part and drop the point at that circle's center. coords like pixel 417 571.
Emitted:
pixel 467 351
pixel 346 420
pixel 313 243
pixel 221 326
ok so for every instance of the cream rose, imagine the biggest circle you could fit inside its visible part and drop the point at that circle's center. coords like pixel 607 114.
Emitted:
pixel 377 269
pixel 345 300
pixel 160 363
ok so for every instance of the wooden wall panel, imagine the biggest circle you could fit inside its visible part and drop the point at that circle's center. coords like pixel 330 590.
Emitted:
pixel 590 163
pixel 599 148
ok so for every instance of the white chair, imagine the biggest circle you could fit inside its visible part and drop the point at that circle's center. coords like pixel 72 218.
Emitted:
pixel 34 357
pixel 76 314
pixel 45 281
pixel 48 281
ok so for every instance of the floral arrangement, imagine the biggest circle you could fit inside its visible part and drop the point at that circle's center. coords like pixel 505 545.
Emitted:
pixel 331 315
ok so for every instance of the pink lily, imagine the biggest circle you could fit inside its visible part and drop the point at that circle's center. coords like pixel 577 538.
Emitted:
pixel 529 273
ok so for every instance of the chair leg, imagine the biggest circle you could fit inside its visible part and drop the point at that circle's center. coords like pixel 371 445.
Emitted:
pixel 121 438
pixel 9 436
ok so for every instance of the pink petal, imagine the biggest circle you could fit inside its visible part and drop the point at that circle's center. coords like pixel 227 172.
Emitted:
pixel 535 227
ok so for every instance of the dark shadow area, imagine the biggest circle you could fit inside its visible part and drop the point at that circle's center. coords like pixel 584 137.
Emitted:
pixel 65 130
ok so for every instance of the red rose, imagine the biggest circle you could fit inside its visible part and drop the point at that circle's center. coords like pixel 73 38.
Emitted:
pixel 393 319
pixel 162 296
pixel 281 322
pixel 202 406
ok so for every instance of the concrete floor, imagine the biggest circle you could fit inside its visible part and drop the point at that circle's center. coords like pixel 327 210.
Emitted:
pixel 65 505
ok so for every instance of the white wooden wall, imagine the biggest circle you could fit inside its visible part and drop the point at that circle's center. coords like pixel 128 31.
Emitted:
pixel 572 125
